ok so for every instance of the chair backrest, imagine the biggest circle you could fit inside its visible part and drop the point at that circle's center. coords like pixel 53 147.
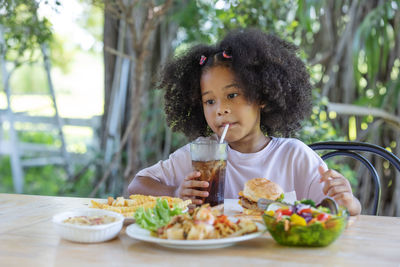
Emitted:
pixel 350 149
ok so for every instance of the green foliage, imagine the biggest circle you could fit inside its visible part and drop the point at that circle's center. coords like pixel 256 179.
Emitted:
pixel 374 37
pixel 23 31
pixel 48 179
pixel 318 127
pixel 81 187
pixel 376 65
pixel 61 57
pixel 28 79
pixel 92 18
pixel 6 183
pixel 37 137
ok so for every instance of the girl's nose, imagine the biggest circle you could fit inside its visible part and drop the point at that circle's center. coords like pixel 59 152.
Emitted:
pixel 223 109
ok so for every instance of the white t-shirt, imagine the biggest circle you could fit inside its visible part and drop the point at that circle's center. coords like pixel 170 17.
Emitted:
pixel 285 161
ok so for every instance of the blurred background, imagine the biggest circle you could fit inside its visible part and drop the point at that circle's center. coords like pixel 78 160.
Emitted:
pixel 80 115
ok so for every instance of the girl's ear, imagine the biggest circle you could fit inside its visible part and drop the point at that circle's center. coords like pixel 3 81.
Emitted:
pixel 265 108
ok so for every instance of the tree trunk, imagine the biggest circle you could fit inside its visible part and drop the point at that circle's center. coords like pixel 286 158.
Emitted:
pixel 160 45
pixel 110 39
pixel 143 21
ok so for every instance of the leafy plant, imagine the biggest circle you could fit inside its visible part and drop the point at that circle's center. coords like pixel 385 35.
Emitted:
pixel 48 179
pixel 23 31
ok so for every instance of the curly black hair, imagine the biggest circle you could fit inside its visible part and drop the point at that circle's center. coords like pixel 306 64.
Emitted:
pixel 267 69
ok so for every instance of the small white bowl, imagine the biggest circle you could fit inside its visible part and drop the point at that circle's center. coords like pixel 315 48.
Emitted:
pixel 87 233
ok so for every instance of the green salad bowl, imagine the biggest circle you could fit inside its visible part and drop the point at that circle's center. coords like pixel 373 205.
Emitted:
pixel 313 235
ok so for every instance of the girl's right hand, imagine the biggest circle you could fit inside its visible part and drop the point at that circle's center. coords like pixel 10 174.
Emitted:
pixel 189 188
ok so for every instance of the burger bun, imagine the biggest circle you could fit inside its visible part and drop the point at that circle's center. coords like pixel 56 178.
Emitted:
pixel 257 188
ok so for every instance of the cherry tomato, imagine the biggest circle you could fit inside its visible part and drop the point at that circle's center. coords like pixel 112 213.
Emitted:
pixel 285 211
pixel 323 217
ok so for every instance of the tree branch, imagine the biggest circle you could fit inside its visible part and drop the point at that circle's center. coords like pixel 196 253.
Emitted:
pixel 349 109
pixel 340 49
pixel 320 58
pixel 124 140
pixel 118 53
pixel 395 52
pixel 112 10
pixel 154 14
pixel 161 9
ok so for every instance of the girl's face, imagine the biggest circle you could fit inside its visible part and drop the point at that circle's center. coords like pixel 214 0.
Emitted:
pixel 224 103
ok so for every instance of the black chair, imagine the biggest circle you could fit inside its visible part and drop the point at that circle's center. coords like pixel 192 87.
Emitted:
pixel 350 149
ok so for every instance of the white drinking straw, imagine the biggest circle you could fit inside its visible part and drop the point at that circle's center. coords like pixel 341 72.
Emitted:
pixel 224 133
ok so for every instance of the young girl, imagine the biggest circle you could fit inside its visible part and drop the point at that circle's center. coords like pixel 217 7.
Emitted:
pixel 255 83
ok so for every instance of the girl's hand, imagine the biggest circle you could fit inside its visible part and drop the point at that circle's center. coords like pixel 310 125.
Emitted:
pixel 339 188
pixel 189 189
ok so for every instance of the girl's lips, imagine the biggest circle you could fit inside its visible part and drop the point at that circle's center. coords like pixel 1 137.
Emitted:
pixel 222 126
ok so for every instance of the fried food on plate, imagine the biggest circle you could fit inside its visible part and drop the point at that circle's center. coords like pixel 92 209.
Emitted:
pixel 205 223
pixel 127 207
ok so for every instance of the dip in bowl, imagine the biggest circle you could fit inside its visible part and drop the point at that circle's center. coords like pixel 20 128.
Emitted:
pixel 304 225
pixel 88 225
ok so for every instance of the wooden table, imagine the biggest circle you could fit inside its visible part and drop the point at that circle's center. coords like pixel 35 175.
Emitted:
pixel 27 238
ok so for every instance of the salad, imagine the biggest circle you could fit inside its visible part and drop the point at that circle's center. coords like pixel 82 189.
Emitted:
pixel 160 215
pixel 304 224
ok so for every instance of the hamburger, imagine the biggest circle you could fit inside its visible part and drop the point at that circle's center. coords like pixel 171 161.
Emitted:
pixel 255 189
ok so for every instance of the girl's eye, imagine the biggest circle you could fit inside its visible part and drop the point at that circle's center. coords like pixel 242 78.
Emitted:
pixel 209 102
pixel 233 95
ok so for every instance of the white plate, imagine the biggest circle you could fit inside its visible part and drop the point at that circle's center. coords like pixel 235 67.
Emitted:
pixel 136 232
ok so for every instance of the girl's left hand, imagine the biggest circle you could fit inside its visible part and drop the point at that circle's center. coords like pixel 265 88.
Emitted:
pixel 339 188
